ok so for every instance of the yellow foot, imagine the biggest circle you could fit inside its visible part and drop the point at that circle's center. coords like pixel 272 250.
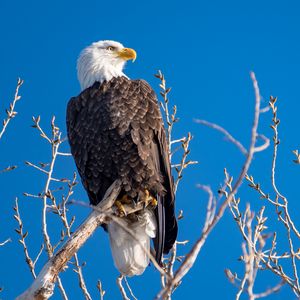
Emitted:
pixel 120 208
pixel 149 200
pixel 119 204
pixel 153 202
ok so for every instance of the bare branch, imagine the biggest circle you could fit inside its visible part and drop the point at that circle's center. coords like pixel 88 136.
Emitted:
pixel 129 289
pixel 7 169
pixel 100 289
pixel 23 236
pixel 265 109
pixel 233 140
pixel 64 154
pixel 5 242
pixel 28 163
pixel 184 163
pixel 11 113
pixel 121 288
pixel 269 259
pixel 228 136
pixel 297 154
pixel 42 287
pixel 39 254
pixel 55 141
pixel 170 119
pixel 270 291
pixel 263 146
pixel 193 254
pixel 225 132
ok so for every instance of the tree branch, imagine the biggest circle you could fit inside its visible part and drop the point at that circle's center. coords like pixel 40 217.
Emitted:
pixel 193 254
pixel 43 286
pixel 11 113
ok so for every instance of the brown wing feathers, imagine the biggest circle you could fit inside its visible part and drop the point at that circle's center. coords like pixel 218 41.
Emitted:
pixel 116 131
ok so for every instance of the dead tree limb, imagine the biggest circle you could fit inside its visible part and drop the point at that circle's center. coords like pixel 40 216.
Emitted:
pixel 43 286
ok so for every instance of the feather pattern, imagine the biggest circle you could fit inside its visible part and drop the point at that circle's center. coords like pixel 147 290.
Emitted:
pixel 116 131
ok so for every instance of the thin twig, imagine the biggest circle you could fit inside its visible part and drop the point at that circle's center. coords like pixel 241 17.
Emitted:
pixel 22 240
pixel 11 113
pixel 270 291
pixel 129 289
pixel 265 145
pixel 225 132
pixel 100 289
pixel 121 288
pixel 5 242
pixel 39 254
pixel 64 154
pixel 61 289
pixel 28 163
pixel 8 169
pixel 184 163
pixel 170 119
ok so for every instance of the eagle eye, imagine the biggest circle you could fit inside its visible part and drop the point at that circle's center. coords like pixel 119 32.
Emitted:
pixel 110 48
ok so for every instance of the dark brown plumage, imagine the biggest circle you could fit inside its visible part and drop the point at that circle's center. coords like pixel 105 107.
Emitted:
pixel 115 130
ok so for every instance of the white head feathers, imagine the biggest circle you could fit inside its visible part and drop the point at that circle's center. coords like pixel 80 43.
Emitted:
pixel 101 61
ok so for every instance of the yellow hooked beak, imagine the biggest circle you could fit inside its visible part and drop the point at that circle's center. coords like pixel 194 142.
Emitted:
pixel 127 54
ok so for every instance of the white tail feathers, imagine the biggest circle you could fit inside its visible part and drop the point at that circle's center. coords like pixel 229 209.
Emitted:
pixel 128 253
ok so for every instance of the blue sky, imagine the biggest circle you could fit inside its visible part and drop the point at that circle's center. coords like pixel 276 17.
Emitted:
pixel 206 50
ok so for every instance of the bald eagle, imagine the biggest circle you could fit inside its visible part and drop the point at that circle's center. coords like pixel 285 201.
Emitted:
pixel 116 131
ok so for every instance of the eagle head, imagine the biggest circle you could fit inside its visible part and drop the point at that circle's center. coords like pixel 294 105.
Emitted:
pixel 102 61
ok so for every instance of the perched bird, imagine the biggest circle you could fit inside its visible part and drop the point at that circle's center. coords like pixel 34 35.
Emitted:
pixel 116 131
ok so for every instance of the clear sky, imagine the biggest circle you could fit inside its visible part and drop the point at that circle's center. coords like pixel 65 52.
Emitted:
pixel 206 50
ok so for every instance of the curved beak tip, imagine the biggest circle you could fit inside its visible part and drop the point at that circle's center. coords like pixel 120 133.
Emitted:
pixel 127 54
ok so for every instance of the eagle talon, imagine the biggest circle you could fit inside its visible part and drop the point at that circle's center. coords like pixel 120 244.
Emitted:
pixel 147 194
pixel 149 200
pixel 120 208
pixel 153 202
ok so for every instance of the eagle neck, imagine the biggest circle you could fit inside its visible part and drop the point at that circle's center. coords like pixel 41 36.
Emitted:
pixel 90 71
pixel 100 75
